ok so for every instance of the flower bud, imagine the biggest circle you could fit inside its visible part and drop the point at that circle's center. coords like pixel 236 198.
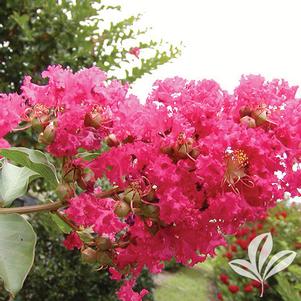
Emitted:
pixel 89 255
pixel 260 115
pixel 245 111
pixel 168 150
pixel 131 195
pixel 111 140
pixel 151 196
pixel 150 211
pixel 183 147
pixel 48 135
pixel 248 121
pixel 122 209
pixel 104 258
pixel 103 243
pixel 37 125
pixel 93 119
pixel 64 191
pixel 194 153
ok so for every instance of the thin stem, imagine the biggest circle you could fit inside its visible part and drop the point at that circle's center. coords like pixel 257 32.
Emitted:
pixel 21 128
pixel 31 209
pixel 67 221
pixel 55 205
pixel 109 193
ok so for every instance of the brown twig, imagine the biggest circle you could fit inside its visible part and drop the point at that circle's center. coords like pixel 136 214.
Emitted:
pixel 55 205
pixel 66 220
pixel 35 208
pixel 109 193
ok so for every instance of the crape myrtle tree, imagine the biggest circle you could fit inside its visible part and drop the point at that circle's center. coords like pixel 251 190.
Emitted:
pixel 191 164
pixel 37 33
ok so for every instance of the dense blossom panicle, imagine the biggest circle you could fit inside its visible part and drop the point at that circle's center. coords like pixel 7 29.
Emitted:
pixel 191 164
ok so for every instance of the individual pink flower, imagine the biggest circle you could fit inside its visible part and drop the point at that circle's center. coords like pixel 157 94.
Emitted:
pixel 73 241
pixel 126 292
pixel 135 51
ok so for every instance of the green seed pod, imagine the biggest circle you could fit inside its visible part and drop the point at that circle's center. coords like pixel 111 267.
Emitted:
pixel 260 115
pixel 249 121
pixel 48 135
pixel 89 255
pixel 37 125
pixel 64 191
pixel 103 258
pixel 103 243
pixel 150 211
pixel 131 195
pixel 245 111
pixel 122 209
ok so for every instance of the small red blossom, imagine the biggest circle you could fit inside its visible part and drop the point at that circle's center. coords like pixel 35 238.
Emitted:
pixel 248 288
pixel 229 255
pixel 233 248
pixel 220 296
pixel 224 278
pixel 233 288
pixel 255 283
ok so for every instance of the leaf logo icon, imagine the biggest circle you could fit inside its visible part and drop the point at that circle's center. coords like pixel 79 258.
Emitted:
pixel 254 269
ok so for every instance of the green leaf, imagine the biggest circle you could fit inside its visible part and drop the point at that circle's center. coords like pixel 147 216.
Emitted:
pixel 14 181
pixel 34 160
pixel 17 246
pixel 64 227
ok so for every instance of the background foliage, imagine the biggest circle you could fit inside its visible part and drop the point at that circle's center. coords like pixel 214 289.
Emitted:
pixel 37 33
pixel 284 223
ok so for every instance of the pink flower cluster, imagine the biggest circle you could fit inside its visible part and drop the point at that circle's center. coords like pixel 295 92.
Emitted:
pixel 192 164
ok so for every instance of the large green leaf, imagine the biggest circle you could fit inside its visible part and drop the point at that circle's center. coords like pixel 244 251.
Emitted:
pixel 34 160
pixel 17 246
pixel 14 181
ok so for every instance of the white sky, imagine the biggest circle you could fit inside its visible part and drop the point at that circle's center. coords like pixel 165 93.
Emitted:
pixel 224 38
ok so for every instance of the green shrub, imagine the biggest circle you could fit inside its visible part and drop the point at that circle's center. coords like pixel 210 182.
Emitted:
pixel 38 33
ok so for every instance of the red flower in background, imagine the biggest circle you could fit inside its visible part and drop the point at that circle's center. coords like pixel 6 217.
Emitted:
pixel 248 288
pixel 229 255
pixel 233 289
pixel 224 278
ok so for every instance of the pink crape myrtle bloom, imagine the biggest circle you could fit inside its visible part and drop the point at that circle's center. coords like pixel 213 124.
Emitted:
pixel 192 164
